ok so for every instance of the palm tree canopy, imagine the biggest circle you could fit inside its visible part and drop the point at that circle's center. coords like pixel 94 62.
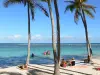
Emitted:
pixel 32 4
pixel 77 6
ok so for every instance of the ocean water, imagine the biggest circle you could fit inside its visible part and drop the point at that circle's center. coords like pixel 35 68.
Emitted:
pixel 15 53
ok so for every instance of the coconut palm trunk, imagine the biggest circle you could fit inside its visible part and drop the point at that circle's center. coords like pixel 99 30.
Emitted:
pixel 58 29
pixel 86 34
pixel 28 51
pixel 56 64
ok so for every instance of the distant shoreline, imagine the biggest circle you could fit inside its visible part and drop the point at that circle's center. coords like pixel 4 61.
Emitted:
pixel 47 43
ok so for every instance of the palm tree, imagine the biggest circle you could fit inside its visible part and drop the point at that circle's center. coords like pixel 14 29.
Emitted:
pixel 81 8
pixel 58 28
pixel 31 5
pixel 56 67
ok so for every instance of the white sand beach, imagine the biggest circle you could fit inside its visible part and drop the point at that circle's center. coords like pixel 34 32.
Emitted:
pixel 34 69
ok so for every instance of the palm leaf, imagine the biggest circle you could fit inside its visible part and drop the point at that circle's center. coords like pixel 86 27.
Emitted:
pixel 32 8
pixel 43 9
pixel 70 2
pixel 84 0
pixel 9 2
pixel 70 7
pixel 32 12
pixel 89 7
pixel 44 0
pixel 24 2
pixel 76 16
pixel 89 13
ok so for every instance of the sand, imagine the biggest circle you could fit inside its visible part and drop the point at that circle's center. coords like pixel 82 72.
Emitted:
pixel 47 69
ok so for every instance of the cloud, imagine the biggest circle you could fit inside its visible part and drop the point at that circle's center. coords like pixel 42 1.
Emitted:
pixel 14 37
pixel 36 37
pixel 88 36
pixel 67 37
pixel 17 36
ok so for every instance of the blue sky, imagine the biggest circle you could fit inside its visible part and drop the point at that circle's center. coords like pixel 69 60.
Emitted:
pixel 13 25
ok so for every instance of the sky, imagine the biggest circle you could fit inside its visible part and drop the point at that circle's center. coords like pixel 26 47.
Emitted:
pixel 14 26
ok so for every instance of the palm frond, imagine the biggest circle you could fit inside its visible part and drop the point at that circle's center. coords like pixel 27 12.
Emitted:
pixel 69 1
pixel 32 7
pixel 24 2
pixel 9 2
pixel 42 9
pixel 70 7
pixel 89 13
pixel 44 0
pixel 32 12
pixel 84 0
pixel 76 16
pixel 89 7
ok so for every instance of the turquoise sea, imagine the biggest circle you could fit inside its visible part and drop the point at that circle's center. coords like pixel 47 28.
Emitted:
pixel 12 54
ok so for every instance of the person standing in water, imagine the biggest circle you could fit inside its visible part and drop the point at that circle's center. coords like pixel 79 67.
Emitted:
pixel 91 53
pixel 32 55
pixel 48 52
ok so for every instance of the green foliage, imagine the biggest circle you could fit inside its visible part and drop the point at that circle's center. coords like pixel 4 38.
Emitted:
pixel 76 16
pixel 70 7
pixel 89 7
pixel 42 9
pixel 32 5
pixel 10 2
pixel 44 0
pixel 77 6
pixel 88 13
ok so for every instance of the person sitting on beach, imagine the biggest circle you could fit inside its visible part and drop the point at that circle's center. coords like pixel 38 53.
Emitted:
pixel 23 67
pixel 69 62
pixel 63 63
pixel 73 62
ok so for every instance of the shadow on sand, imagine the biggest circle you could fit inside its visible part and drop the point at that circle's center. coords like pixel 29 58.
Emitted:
pixel 35 69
